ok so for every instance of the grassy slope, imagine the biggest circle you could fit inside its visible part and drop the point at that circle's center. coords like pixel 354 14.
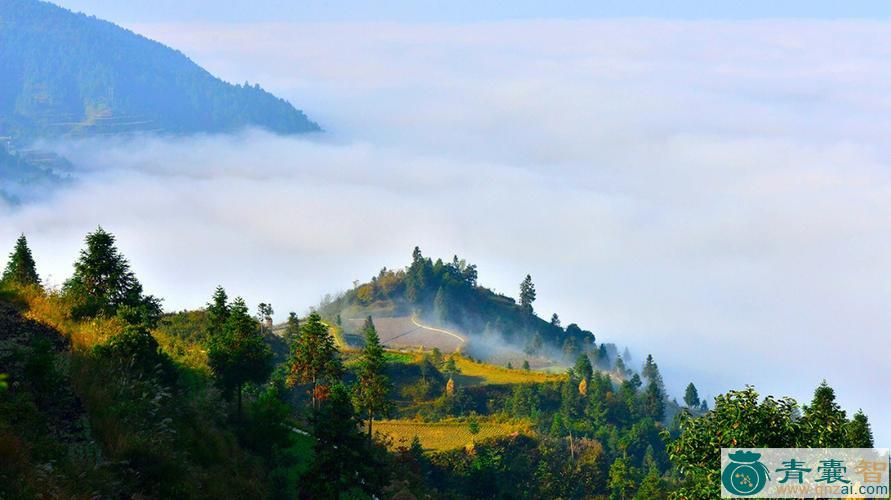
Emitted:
pixel 171 442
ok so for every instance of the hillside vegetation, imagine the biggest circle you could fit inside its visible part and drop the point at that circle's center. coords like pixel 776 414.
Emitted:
pixel 67 74
pixel 447 295
pixel 104 395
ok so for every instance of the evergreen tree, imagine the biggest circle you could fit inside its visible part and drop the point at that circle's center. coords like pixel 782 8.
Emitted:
pixel 440 308
pixel 859 432
pixel 315 359
pixel 555 320
pixel 342 466
pixel 527 293
pixel 218 311
pixel 103 284
pixel 649 368
pixel 620 367
pixel 704 405
pixel 652 487
pixel 824 422
pixel 239 355
pixel 20 270
pixel 526 364
pixel 654 402
pixel 691 396
pixel 292 330
pixel 583 368
pixel 621 479
pixel 373 385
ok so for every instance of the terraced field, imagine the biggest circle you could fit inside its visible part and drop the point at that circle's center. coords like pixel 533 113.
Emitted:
pixel 446 435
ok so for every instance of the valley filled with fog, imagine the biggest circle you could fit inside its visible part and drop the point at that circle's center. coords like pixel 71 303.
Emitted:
pixel 717 194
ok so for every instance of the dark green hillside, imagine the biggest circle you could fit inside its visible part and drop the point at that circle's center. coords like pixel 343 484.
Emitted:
pixel 448 294
pixel 70 74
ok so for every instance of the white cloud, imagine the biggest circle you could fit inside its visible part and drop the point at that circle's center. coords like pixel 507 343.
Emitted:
pixel 718 194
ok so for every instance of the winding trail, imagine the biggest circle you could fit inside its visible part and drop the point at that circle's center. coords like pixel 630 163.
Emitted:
pixel 414 320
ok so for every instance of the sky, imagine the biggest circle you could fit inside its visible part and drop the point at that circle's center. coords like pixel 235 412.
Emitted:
pixel 712 189
pixel 469 10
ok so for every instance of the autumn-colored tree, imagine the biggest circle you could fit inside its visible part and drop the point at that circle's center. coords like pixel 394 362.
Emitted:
pixel 315 359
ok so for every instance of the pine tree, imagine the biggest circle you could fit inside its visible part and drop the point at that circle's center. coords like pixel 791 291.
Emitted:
pixel 555 320
pixel 239 355
pixel 20 270
pixel 315 359
pixel 859 432
pixel 652 487
pixel 527 293
pixel 583 368
pixel 341 467
pixel 824 422
pixel 373 385
pixel 649 368
pixel 691 396
pixel 440 307
pixel 217 311
pixel 526 364
pixel 292 330
pixel 654 401
pixel 103 284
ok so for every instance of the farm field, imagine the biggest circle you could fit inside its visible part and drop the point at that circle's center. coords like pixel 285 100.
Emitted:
pixel 473 373
pixel 445 435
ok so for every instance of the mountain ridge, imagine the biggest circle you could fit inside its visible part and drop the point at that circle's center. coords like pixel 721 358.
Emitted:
pixel 70 74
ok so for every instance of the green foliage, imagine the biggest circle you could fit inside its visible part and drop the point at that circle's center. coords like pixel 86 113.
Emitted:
pixel 315 359
pixel 583 369
pixel 691 397
pixel 70 74
pixel 103 284
pixel 343 464
pixel 859 432
pixel 740 419
pixel 527 294
pixel 448 292
pixel 136 349
pixel 824 422
pixel 20 270
pixel 373 386
pixel 238 355
pixel 217 311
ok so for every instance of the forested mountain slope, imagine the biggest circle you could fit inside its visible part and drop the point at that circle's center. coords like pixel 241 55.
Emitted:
pixel 70 74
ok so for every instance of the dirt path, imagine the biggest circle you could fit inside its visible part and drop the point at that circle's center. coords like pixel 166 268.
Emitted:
pixel 414 321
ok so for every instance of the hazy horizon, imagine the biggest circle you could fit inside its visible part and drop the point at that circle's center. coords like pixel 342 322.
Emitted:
pixel 715 193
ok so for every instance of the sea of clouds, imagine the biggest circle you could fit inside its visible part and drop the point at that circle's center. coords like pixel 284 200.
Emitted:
pixel 717 194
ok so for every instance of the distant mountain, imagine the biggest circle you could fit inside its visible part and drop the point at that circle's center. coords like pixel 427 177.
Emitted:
pixel 67 74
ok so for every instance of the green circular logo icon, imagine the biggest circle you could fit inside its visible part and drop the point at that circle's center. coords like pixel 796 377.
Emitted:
pixel 745 475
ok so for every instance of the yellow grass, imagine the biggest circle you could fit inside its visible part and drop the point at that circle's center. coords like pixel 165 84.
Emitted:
pixel 473 373
pixel 445 435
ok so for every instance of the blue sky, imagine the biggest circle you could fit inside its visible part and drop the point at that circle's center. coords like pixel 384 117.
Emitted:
pixel 470 10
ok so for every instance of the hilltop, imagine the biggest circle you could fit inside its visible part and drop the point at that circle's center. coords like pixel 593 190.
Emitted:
pixel 68 74
pixel 440 304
